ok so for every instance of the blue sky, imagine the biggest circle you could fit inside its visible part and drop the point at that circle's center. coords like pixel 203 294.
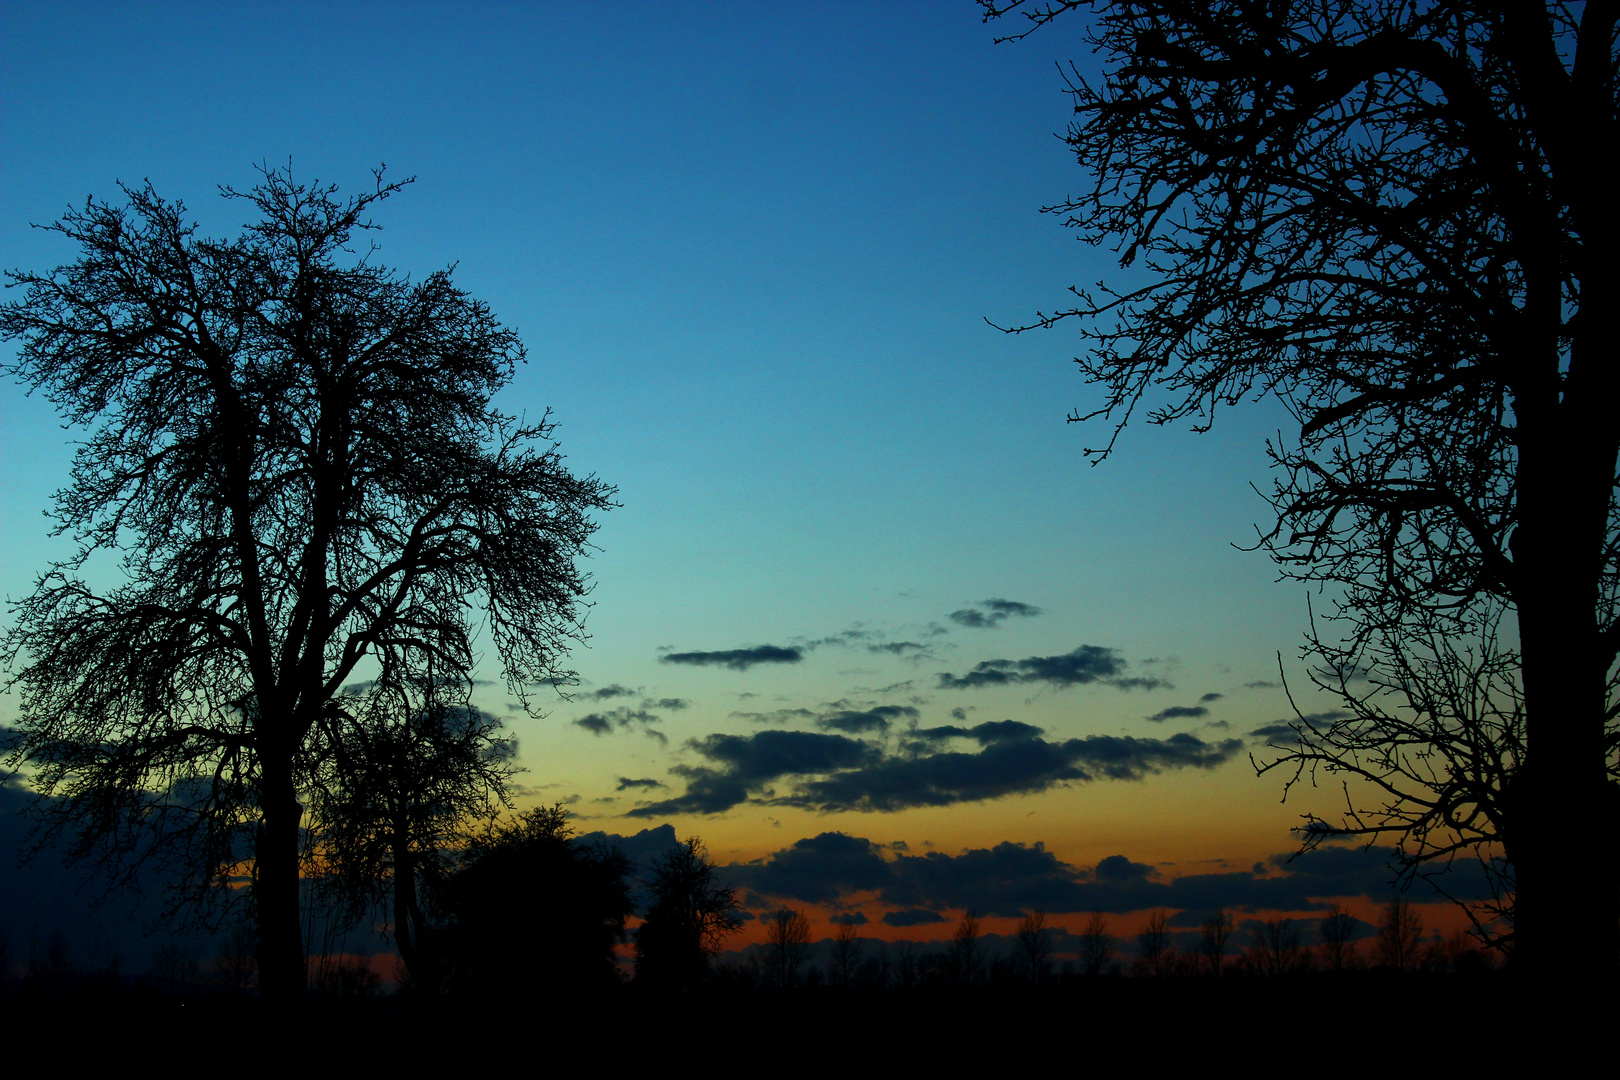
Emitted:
pixel 751 250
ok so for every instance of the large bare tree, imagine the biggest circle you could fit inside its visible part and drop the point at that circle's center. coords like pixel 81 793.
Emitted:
pixel 1394 216
pixel 291 455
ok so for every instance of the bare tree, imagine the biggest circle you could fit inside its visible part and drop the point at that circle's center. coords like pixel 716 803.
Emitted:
pixel 1096 944
pixel 847 948
pixel 1277 947
pixel 1154 950
pixel 1336 934
pixel 294 452
pixel 1387 215
pixel 787 946
pixel 1400 932
pixel 965 960
pixel 1035 945
pixel 1213 934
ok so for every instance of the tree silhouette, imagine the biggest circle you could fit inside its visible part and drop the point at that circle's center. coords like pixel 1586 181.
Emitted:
pixel 1400 932
pixel 1154 949
pixel 689 917
pixel 1096 944
pixel 1035 945
pixel 787 946
pixel 293 451
pixel 531 907
pixel 1388 216
pixel 1213 934
pixel 1336 933
pixel 397 796
pixel 847 948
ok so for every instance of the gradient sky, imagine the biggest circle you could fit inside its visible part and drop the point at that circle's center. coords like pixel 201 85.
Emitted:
pixel 751 250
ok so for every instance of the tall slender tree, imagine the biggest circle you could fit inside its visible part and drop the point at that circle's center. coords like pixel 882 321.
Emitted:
pixel 293 452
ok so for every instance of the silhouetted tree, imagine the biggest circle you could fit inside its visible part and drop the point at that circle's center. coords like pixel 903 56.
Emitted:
pixel 1213 934
pixel 847 948
pixel 1035 945
pixel 1400 932
pixel 689 917
pixel 787 946
pixel 1336 933
pixel 1096 944
pixel 415 770
pixel 1154 950
pixel 531 907
pixel 965 960
pixel 294 452
pixel 1389 216
pixel 1277 949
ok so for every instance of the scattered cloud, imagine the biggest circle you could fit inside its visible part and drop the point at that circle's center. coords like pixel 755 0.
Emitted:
pixel 1261 685
pixel 989 614
pixel 1085 664
pixel 903 649
pixel 912 917
pixel 1180 712
pixel 1207 698
pixel 601 723
pixel 613 691
pixel 859 722
pixel 737 659
pixel 627 784
pixel 834 773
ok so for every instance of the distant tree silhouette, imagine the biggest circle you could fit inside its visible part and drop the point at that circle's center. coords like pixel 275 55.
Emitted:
pixel 1336 934
pixel 1388 215
pixel 689 917
pixel 1213 935
pixel 294 452
pixel 847 948
pixel 1400 933
pixel 787 946
pixel 532 908
pixel 1154 950
pixel 1096 944
pixel 1277 948
pixel 1035 945
pixel 965 959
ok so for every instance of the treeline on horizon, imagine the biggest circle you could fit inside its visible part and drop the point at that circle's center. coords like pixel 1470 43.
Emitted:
pixel 530 910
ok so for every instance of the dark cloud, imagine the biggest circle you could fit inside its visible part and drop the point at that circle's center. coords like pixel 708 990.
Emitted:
pixel 990 614
pixel 1010 879
pixel 834 773
pixel 1003 767
pixel 779 716
pixel 1210 697
pixel 737 659
pixel 1282 731
pixel 856 722
pixel 673 704
pixel 1086 664
pixel 600 723
pixel 912 917
pixel 626 783
pixel 959 713
pixel 1180 712
pixel 849 918
pixel 1261 685
pixel 745 763
pixel 613 691
pixel 901 648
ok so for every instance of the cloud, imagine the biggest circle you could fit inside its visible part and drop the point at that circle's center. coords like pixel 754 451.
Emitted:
pixel 912 917
pixel 673 704
pixel 857 722
pixel 850 918
pixel 1009 879
pixel 1210 697
pixel 747 763
pixel 1085 664
pixel 1261 685
pixel 613 691
pixel 834 773
pixel 600 723
pixel 737 659
pixel 1180 712
pixel 902 649
pixel 626 783
pixel 989 614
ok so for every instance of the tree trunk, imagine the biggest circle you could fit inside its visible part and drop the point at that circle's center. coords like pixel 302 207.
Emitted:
pixel 283 977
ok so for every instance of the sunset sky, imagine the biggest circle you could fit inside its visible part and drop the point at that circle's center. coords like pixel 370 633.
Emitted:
pixel 860 556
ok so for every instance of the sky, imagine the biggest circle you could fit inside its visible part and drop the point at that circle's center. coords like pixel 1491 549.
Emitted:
pixel 865 612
